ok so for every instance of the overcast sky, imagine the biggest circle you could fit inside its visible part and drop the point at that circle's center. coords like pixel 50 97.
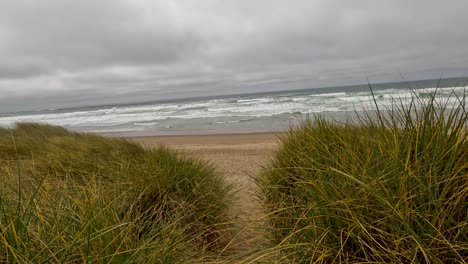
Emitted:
pixel 56 53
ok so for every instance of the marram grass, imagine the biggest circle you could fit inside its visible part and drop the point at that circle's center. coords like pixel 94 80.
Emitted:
pixel 389 187
pixel 67 197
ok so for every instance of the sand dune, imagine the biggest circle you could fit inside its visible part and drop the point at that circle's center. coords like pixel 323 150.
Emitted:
pixel 239 158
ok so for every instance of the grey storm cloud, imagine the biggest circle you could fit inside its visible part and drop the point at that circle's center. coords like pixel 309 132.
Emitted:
pixel 67 52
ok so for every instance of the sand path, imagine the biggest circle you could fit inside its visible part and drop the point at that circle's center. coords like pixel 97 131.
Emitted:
pixel 240 159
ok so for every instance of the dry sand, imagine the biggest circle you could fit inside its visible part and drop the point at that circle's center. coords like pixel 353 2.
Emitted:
pixel 239 158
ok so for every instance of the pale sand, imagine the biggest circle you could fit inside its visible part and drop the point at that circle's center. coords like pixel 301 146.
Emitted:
pixel 240 158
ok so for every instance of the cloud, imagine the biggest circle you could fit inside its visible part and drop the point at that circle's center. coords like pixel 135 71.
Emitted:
pixel 107 50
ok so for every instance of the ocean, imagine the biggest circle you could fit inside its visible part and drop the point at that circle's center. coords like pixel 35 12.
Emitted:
pixel 256 112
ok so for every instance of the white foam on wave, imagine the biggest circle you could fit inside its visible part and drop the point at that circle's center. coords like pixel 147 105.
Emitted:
pixel 256 100
pixel 227 122
pixel 328 94
pixel 151 115
pixel 115 130
pixel 145 123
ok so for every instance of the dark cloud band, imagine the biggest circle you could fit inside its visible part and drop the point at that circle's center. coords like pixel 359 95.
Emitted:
pixel 106 50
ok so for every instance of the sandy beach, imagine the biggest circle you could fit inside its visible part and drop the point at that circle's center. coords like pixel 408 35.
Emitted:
pixel 239 157
pixel 226 140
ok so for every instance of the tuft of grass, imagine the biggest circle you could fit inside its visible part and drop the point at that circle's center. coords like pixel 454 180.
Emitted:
pixel 390 186
pixel 70 197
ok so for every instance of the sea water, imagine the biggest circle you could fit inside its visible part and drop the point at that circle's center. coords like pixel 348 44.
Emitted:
pixel 256 112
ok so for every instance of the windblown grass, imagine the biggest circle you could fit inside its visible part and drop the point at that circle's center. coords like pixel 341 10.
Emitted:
pixel 69 197
pixel 389 187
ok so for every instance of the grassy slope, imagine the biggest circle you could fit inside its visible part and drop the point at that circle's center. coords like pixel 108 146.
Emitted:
pixel 389 188
pixel 69 197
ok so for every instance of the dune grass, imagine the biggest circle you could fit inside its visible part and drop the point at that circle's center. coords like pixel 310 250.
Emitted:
pixel 67 197
pixel 390 186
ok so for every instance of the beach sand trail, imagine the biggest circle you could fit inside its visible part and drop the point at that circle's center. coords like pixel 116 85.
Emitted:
pixel 240 158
